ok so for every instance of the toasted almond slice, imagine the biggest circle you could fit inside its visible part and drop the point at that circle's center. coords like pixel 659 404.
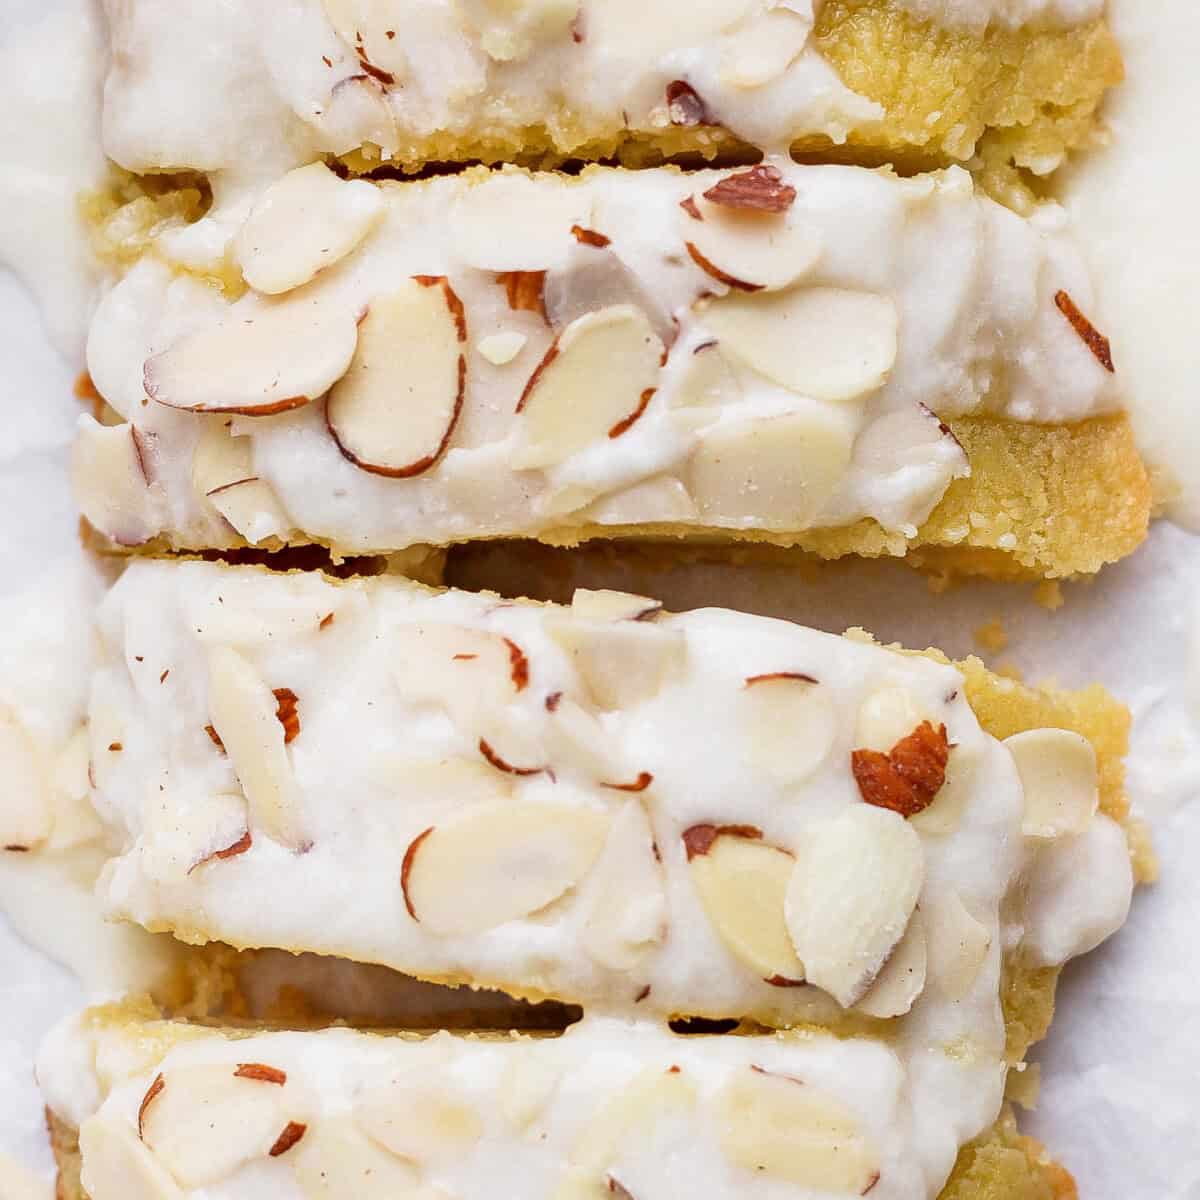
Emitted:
pixel 206 1121
pixel 944 815
pixel 220 458
pixel 749 250
pixel 109 478
pixel 854 888
pixel 417 779
pixel 528 1086
pixel 370 30
pixel 395 410
pixel 304 222
pixel 958 945
pixel 742 882
pixel 335 1161
pixel 26 803
pixel 703 379
pixel 593 384
pixel 256 361
pixel 627 903
pixel 764 47
pixel 181 838
pixel 788 723
pixel 243 713
pixel 902 979
pixel 827 343
pixel 620 663
pixel 498 863
pixel 508 31
pixel 782 1127
pixel 1058 776
pixel 773 471
pixel 252 508
pixel 117 1166
pixel 418 1121
pixel 607 605
pixel 660 499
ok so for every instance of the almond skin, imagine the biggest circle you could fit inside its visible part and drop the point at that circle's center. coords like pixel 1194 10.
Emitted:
pixel 261 1072
pixel 524 290
pixel 589 237
pixel 293 1131
pixel 698 839
pixel 156 1086
pixel 760 189
pixel 288 712
pixel 685 105
pixel 1093 339
pixel 231 851
pixel 906 779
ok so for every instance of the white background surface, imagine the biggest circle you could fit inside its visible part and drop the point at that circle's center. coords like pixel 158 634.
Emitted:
pixel 1120 1070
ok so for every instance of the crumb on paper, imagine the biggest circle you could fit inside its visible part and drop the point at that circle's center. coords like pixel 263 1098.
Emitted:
pixel 991 636
pixel 1049 595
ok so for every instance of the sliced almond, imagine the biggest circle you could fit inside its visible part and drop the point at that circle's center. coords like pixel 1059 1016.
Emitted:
pixel 703 378
pixel 826 343
pixel 304 222
pixel 620 663
pixel 117 1166
pixel 958 945
pixel 510 30
pixel 220 458
pixel 512 221
pixel 206 1121
pixel 1059 780
pixel 775 472
pixel 607 605
pixel 243 711
pixel 419 1122
pixel 627 903
pixel 782 1127
pixel 593 384
pixel 654 29
pixel 498 863
pixel 888 714
pixel 371 31
pixel 252 508
pixel 528 1084
pixel 335 1160
pixel 764 47
pixel 742 882
pixel 257 361
pixel 789 723
pixel 357 114
pixel 660 499
pixel 749 251
pixel 395 410
pixel 109 478
pixel 853 890
pixel 902 979
pixel 501 348
pixel 26 803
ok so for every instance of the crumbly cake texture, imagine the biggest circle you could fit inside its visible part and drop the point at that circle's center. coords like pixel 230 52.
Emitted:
pixel 939 440
pixel 912 91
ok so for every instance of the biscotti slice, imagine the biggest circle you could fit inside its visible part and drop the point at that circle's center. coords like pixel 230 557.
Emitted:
pixel 707 814
pixel 826 358
pixel 147 1109
pixel 407 82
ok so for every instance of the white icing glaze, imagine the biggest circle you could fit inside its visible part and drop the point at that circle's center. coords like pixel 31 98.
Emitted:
pixel 914 1133
pixel 972 284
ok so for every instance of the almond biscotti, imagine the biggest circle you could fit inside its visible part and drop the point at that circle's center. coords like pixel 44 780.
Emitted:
pixel 406 82
pixel 827 358
pixel 706 814
pixel 159 1111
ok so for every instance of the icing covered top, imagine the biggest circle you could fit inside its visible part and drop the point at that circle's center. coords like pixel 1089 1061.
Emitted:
pixel 215 87
pixel 510 354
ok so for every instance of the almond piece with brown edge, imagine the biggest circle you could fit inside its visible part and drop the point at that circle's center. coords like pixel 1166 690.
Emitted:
pixel 394 411
pixel 908 778
pixel 827 343
pixel 774 472
pixel 252 509
pixel 498 863
pixel 205 1121
pixel 783 1127
pixel 419 1121
pixel 902 979
pixel 604 604
pixel 244 712
pixel 742 882
pixel 592 385
pixel 304 222
pixel 259 360
pixel 1059 781
pixel 855 885
pixel 108 477
pixel 335 1160
pixel 370 31
pixel 788 723
pixel 117 1166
